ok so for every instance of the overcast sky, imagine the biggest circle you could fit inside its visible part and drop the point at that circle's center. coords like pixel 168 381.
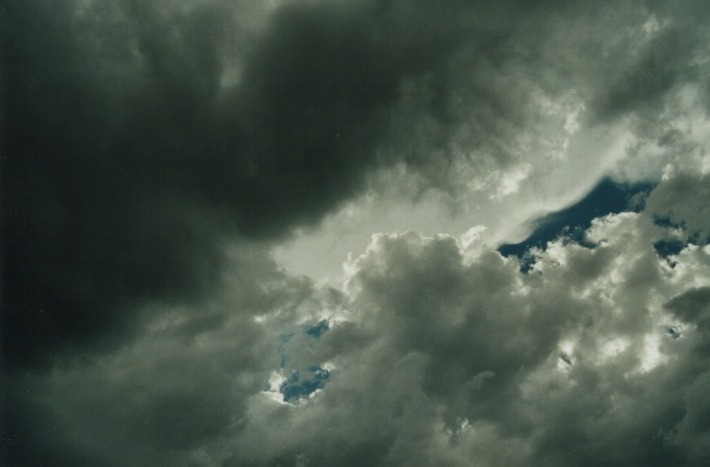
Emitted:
pixel 355 232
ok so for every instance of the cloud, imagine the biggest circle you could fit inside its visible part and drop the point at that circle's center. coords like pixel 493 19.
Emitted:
pixel 140 138
pixel 129 162
pixel 144 401
pixel 474 349
pixel 433 356
pixel 156 155
pixel 680 200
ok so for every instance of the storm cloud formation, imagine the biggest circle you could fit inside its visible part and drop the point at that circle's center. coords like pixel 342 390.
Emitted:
pixel 155 153
pixel 137 137
pixel 128 162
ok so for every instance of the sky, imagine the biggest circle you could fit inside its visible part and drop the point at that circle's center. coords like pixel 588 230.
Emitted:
pixel 355 232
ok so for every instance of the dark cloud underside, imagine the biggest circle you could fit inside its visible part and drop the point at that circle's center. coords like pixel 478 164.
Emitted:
pixel 126 163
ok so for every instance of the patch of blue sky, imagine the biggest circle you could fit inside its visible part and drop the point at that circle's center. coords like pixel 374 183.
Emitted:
pixel 666 248
pixel 608 197
pixel 303 381
pixel 301 384
pixel 673 332
pixel 678 238
pixel 319 329
pixel 292 339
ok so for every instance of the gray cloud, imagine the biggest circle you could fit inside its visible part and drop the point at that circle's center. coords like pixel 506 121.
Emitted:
pixel 681 201
pixel 437 355
pixel 128 165
pixel 472 347
pixel 140 137
pixel 153 153
pixel 129 161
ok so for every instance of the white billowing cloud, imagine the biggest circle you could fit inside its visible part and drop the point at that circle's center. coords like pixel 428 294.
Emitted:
pixel 474 350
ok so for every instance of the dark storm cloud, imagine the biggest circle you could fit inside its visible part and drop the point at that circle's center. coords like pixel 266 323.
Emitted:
pixel 126 162
pixel 155 385
pixel 93 144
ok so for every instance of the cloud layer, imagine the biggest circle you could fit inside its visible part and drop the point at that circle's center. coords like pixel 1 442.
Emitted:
pixel 154 156
pixel 437 354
